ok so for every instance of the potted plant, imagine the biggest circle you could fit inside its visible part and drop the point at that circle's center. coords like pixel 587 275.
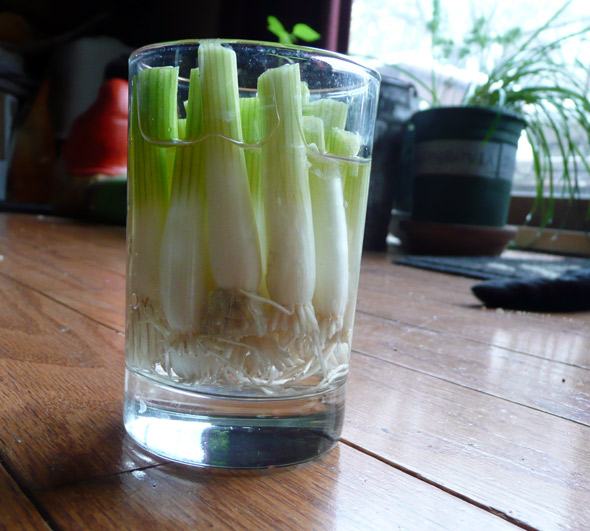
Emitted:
pixel 465 142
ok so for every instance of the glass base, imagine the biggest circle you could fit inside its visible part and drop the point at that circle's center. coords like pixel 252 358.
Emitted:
pixel 227 431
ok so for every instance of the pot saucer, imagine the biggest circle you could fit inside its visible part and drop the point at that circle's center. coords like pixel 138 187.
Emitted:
pixel 428 237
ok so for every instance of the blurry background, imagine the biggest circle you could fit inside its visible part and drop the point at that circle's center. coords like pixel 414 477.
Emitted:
pixel 54 57
pixel 395 32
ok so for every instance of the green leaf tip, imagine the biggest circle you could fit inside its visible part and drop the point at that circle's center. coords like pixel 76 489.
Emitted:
pixel 305 33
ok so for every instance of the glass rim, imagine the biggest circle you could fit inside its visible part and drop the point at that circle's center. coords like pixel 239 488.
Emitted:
pixel 320 52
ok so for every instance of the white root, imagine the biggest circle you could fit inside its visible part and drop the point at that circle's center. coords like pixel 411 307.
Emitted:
pixel 267 363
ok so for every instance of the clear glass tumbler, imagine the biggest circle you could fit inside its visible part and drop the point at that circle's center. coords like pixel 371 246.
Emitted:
pixel 248 177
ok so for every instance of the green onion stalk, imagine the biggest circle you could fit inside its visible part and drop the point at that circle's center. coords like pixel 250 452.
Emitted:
pixel 246 229
pixel 153 123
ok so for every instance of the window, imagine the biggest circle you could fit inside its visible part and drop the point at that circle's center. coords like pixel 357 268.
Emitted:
pixel 395 32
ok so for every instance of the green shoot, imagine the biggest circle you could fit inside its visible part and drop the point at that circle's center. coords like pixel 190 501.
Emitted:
pixel 300 31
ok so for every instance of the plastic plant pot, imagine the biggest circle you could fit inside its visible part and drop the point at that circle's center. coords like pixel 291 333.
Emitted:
pixel 464 164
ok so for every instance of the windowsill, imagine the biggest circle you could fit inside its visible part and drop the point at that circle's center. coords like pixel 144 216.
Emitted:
pixel 567 215
pixel 567 233
pixel 558 241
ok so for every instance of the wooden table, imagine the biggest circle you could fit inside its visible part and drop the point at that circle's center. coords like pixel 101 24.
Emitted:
pixel 458 417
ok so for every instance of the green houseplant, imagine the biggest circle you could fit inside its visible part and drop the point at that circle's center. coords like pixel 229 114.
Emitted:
pixel 529 84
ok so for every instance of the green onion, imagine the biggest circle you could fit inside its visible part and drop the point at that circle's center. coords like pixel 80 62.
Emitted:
pixel 184 259
pixel 152 123
pixel 159 116
pixel 344 143
pixel 246 219
pixel 305 95
pixel 290 274
pixel 330 230
pixel 332 112
pixel 356 189
pixel 250 115
pixel 234 247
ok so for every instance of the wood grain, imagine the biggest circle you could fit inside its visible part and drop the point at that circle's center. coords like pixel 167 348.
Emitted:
pixel 379 272
pixel 16 510
pixel 61 379
pixel 536 382
pixel 455 414
pixel 71 442
pixel 523 463
pixel 76 278
pixel 399 296
pixel 344 490
pixel 82 241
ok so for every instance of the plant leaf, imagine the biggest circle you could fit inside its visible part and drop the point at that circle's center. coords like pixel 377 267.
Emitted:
pixel 305 33
pixel 276 27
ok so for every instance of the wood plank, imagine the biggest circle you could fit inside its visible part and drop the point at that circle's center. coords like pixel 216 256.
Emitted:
pixel 520 462
pixel 16 510
pixel 449 289
pixel 379 273
pixel 70 240
pixel 69 425
pixel 88 287
pixel 62 387
pixel 414 302
pixel 61 382
pixel 42 230
pixel 343 490
pixel 536 382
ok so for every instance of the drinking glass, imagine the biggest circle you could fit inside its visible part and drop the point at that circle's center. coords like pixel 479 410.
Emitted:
pixel 247 189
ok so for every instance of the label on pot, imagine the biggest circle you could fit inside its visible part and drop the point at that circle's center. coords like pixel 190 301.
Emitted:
pixel 476 158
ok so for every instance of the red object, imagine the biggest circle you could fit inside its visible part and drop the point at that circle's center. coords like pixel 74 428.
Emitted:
pixel 97 143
